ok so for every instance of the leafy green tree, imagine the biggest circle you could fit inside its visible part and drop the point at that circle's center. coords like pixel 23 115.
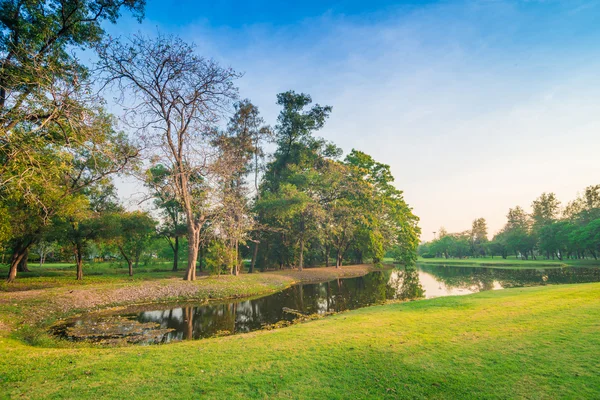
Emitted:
pixel 130 233
pixel 159 181
pixel 82 226
pixel 478 237
pixel 49 120
pixel 498 245
pixel 392 222
pixel 518 233
pixel 239 154
pixel 296 144
pixel 289 177
pixel 38 74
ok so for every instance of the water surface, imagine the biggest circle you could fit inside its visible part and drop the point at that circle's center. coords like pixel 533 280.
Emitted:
pixel 165 323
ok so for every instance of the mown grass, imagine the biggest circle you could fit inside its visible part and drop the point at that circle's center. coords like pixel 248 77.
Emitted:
pixel 106 274
pixel 63 274
pixel 539 342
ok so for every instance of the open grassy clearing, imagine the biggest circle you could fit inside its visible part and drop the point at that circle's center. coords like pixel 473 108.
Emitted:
pixel 537 342
pixel 53 275
pixel 63 274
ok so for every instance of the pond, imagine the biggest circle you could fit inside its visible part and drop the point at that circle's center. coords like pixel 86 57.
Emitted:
pixel 162 323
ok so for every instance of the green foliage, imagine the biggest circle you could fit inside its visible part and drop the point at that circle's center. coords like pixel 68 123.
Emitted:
pixel 219 257
pixel 130 233
pixel 55 138
pixel 315 205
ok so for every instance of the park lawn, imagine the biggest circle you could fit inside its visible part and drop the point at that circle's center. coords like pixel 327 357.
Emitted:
pixel 511 262
pixel 110 274
pixel 537 342
pixel 63 274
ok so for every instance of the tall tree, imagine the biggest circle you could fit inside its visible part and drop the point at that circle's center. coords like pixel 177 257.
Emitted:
pixel 250 129
pixel 177 96
pixel 478 237
pixel 37 70
pixel 546 209
pixel 296 144
pixel 288 177
pixel 518 232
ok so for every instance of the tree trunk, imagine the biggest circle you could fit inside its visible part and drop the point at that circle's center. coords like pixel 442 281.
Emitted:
pixel 337 258
pixel 301 263
pixel 176 254
pixel 281 260
pixel 130 266
pixel 201 249
pixel 14 262
pixel 238 264
pixel 23 265
pixel 254 255
pixel 193 244
pixel 79 261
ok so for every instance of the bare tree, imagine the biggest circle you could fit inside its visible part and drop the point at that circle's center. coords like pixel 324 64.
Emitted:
pixel 174 98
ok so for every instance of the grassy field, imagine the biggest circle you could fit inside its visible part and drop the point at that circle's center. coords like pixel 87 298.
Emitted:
pixel 509 262
pixel 539 342
pixel 55 275
pixel 63 274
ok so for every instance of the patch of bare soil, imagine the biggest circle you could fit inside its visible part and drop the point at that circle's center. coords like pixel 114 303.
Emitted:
pixel 323 274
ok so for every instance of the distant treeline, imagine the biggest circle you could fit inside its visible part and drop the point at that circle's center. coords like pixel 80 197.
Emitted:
pixel 549 231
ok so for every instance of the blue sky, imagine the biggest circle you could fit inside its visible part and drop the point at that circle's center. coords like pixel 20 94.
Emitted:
pixel 477 105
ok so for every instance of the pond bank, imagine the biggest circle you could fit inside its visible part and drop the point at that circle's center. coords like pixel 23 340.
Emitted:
pixel 42 306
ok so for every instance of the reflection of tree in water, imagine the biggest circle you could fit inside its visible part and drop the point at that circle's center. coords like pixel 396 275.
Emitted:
pixel 320 298
pixel 484 278
pixel 404 284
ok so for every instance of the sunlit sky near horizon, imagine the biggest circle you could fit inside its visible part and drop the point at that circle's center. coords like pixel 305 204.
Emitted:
pixel 476 105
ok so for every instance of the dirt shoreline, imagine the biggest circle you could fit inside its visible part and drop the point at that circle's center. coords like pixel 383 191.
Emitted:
pixel 41 306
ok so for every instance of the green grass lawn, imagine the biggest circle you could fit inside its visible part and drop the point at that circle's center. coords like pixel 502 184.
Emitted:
pixel 538 342
pixel 63 274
